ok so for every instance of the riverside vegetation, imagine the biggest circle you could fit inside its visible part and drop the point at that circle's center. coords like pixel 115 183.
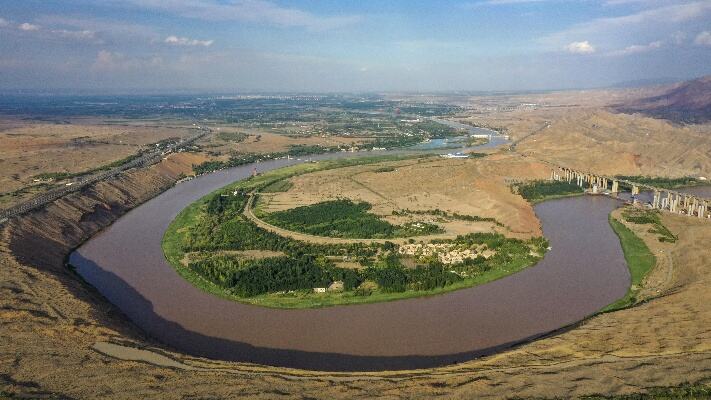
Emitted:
pixel 640 261
pixel 207 241
pixel 538 191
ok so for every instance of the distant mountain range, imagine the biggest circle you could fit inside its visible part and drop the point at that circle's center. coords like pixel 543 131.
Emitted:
pixel 688 101
pixel 645 82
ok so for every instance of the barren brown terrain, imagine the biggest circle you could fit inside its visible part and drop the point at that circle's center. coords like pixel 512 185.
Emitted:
pixel 686 101
pixel 29 148
pixel 475 187
pixel 262 141
pixel 623 144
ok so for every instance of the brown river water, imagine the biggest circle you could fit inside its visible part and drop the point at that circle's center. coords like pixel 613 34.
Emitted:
pixel 583 272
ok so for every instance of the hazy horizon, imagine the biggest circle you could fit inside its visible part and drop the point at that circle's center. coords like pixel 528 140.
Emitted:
pixel 255 46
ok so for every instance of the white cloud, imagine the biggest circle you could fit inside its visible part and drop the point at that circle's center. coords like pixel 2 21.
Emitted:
pixel 102 29
pixel 583 47
pixel 3 22
pixel 183 41
pixel 257 11
pixel 660 20
pixel 621 2
pixel 107 61
pixel 26 26
pixel 703 39
pixel 678 37
pixel 502 2
pixel 78 35
pixel 637 49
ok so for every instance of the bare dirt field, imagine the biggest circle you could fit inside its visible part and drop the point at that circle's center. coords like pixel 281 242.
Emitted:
pixel 609 143
pixel 474 187
pixel 31 148
pixel 28 149
pixel 263 141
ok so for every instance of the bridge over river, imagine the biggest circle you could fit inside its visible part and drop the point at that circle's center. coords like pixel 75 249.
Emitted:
pixel 663 199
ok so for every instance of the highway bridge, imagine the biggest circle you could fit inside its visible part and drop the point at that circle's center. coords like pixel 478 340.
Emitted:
pixel 663 199
pixel 57 193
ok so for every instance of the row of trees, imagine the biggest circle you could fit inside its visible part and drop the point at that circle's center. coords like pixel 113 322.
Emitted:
pixel 248 278
pixel 539 190
pixel 243 159
pixel 661 182
pixel 441 213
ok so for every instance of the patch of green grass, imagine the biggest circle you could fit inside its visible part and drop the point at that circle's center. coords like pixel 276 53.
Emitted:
pixel 336 218
pixel 344 219
pixel 662 182
pixel 538 191
pixel 651 217
pixel 278 186
pixel 232 136
pixel 640 261
pixel 172 245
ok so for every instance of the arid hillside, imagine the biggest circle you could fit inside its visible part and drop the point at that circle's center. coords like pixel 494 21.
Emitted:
pixel 607 143
pixel 29 150
pixel 684 102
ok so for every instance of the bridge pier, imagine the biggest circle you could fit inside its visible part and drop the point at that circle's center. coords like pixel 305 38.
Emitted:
pixel 663 199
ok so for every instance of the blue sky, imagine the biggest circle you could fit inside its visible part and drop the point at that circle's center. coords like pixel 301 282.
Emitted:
pixel 308 45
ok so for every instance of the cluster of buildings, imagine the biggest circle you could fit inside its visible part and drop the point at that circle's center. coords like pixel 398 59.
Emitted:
pixel 446 253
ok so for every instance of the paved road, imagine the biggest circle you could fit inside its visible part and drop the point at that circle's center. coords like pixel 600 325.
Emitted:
pixel 55 194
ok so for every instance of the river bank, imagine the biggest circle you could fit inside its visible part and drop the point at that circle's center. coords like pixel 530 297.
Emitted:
pixel 41 296
pixel 147 278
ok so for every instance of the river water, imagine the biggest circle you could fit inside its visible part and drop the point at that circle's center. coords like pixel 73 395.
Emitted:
pixel 583 272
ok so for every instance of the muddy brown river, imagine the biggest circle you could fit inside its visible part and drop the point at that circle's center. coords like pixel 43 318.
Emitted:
pixel 583 272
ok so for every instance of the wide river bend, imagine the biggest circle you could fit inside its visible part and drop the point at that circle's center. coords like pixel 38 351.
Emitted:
pixel 583 272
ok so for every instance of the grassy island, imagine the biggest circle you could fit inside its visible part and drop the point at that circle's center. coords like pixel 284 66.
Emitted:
pixel 215 246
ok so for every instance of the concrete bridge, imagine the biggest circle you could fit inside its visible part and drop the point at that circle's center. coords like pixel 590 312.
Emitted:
pixel 663 199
